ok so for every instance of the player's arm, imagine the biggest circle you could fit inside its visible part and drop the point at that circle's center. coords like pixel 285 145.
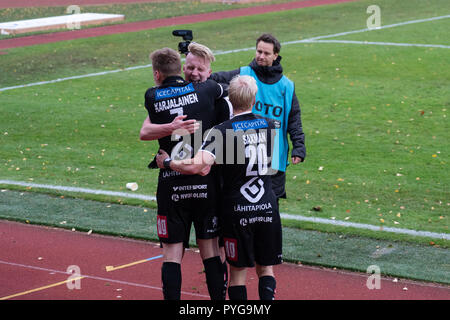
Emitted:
pixel 224 76
pixel 223 110
pixel 153 131
pixel 215 89
pixel 200 164
pixel 295 131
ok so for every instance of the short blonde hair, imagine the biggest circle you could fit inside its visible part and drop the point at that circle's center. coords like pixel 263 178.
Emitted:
pixel 167 61
pixel 242 92
pixel 202 51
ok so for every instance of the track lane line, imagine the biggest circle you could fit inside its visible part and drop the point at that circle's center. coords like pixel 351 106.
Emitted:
pixel 112 268
pixel 91 277
pixel 41 288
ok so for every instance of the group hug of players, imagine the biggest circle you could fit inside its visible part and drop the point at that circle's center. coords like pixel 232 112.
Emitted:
pixel 228 185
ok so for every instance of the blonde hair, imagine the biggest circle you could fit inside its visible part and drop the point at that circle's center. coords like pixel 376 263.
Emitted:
pixel 167 61
pixel 242 92
pixel 202 51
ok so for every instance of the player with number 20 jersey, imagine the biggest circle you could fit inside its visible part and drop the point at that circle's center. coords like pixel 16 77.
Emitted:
pixel 248 202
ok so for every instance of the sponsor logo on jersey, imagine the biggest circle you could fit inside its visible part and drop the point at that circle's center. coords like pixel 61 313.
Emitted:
pixel 253 190
pixel 253 207
pixel 169 174
pixel 245 221
pixel 215 224
pixel 190 187
pixel 198 195
pixel 249 124
pixel 170 92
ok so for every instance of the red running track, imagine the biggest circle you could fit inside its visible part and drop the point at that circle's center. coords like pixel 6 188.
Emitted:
pixel 152 24
pixel 34 262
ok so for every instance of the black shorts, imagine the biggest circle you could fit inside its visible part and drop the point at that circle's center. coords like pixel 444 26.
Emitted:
pixel 183 202
pixel 253 237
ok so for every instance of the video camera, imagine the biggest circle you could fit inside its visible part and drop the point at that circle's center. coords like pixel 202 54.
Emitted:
pixel 187 37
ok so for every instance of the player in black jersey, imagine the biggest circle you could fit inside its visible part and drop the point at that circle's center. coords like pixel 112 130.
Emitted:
pixel 197 68
pixel 178 109
pixel 243 146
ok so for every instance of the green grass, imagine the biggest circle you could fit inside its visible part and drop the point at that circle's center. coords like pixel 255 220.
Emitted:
pixel 429 32
pixel 375 117
pixel 365 127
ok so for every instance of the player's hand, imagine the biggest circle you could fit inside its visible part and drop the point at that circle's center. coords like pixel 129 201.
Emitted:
pixel 183 127
pixel 160 157
pixel 205 171
pixel 296 160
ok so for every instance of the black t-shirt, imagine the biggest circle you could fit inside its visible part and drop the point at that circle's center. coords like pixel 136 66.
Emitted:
pixel 243 147
pixel 177 97
pixel 224 110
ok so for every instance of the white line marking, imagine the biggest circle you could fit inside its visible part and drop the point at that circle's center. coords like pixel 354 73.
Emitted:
pixel 74 77
pixel 340 223
pixel 283 215
pixel 381 43
pixel 80 190
pixel 309 40
pixel 96 278
pixel 380 28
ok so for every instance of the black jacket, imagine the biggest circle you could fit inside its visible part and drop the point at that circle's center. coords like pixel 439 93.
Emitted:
pixel 272 75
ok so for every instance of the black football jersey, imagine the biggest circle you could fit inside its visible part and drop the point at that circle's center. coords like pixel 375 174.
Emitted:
pixel 176 97
pixel 243 147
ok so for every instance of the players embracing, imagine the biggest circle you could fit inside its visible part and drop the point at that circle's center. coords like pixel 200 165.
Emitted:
pixel 177 111
pixel 243 148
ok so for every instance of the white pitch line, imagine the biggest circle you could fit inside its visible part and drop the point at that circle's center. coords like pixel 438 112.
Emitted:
pixel 340 223
pixel 74 77
pixel 378 28
pixel 309 40
pixel 283 215
pixel 96 278
pixel 79 190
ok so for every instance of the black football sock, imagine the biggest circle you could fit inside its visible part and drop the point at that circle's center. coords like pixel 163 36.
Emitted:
pixel 266 288
pixel 215 278
pixel 237 293
pixel 171 280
